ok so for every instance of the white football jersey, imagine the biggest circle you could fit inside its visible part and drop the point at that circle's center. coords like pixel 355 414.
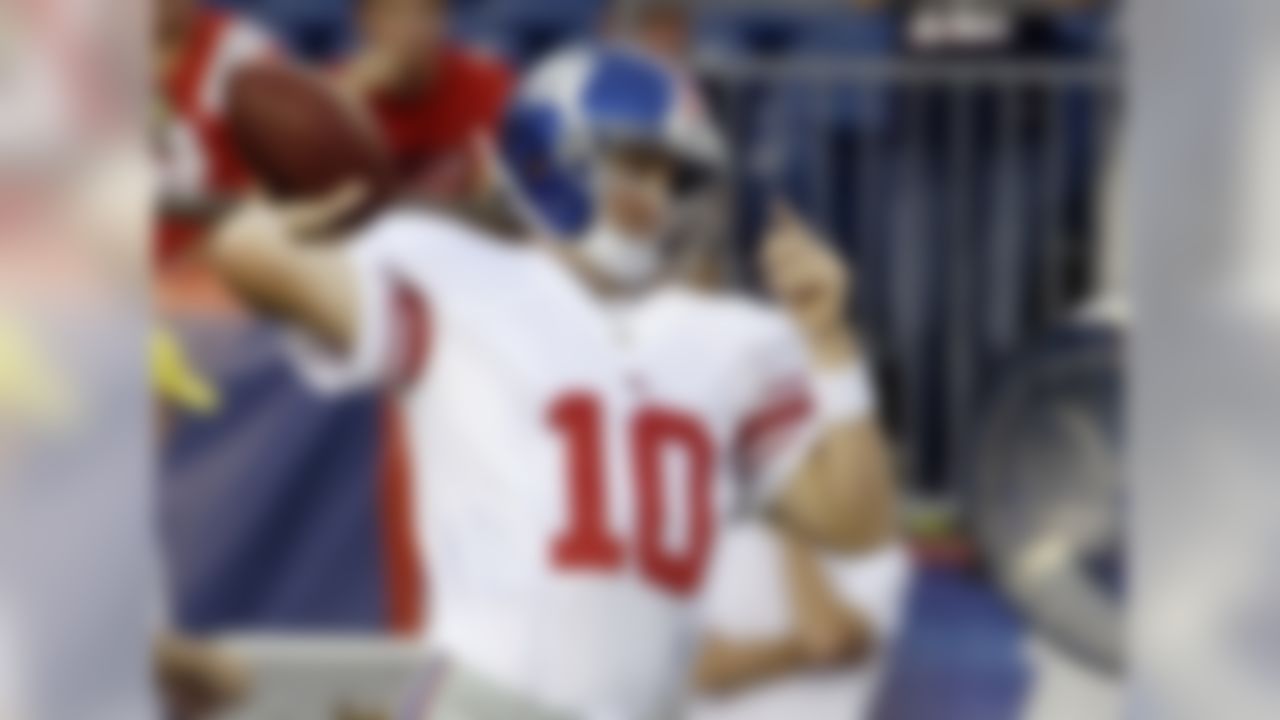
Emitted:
pixel 573 458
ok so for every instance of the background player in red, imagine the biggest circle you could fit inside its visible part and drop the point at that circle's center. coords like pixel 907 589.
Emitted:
pixel 431 95
pixel 197 49
pixel 196 52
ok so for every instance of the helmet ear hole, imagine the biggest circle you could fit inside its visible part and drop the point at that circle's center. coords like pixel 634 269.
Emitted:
pixel 692 179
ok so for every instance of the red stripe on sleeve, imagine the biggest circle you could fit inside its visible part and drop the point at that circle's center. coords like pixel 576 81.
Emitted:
pixel 773 422
pixel 184 83
pixel 411 333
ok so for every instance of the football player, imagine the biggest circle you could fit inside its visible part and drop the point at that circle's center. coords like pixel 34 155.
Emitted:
pixel 196 51
pixel 581 426
pixel 786 630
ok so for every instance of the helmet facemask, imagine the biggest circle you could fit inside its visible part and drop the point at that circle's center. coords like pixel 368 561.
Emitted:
pixel 644 194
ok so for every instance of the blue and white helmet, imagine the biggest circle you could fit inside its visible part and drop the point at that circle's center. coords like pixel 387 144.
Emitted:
pixel 577 100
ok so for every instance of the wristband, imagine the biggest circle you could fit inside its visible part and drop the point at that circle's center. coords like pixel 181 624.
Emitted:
pixel 874 583
pixel 844 394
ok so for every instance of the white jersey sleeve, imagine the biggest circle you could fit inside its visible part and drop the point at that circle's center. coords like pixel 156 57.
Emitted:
pixel 399 266
pixel 779 424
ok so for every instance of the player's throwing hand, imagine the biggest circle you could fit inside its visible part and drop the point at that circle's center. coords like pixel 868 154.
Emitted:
pixel 265 253
pixel 258 222
pixel 803 273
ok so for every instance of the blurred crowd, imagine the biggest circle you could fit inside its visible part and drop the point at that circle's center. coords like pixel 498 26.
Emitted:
pixel 876 28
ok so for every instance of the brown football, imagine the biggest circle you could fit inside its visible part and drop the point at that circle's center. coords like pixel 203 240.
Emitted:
pixel 301 138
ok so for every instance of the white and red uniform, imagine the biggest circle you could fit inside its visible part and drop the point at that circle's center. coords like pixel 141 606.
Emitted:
pixel 573 457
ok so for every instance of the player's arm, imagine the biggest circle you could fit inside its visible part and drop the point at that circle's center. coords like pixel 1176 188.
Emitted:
pixel 825 631
pixel 370 70
pixel 269 258
pixel 830 629
pixel 725 664
pixel 841 495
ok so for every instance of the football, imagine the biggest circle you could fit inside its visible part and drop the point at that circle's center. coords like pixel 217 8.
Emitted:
pixel 302 138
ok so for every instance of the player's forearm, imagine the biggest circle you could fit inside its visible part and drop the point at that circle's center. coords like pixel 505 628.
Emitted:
pixel 309 287
pixel 843 495
pixel 357 81
pixel 726 665
pixel 860 485
pixel 842 498
pixel 833 348
pixel 829 629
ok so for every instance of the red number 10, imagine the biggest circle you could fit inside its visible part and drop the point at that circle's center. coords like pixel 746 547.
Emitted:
pixel 588 543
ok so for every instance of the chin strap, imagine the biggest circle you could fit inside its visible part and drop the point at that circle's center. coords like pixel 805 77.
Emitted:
pixel 628 261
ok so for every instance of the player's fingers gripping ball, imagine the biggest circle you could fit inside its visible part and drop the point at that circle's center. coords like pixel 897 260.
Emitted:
pixel 259 225
pixel 319 217
pixel 253 224
pixel 802 271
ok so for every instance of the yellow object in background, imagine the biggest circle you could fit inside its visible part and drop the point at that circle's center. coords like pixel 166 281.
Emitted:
pixel 31 389
pixel 176 379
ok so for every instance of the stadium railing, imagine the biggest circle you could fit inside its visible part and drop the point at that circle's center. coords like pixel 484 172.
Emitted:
pixel 968 193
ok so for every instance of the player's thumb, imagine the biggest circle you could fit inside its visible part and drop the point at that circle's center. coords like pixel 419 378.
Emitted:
pixel 322 214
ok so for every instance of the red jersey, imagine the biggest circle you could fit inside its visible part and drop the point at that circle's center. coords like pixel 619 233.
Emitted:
pixel 197 157
pixel 431 130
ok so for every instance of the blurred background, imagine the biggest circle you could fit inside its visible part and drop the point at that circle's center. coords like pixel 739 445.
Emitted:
pixel 961 157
